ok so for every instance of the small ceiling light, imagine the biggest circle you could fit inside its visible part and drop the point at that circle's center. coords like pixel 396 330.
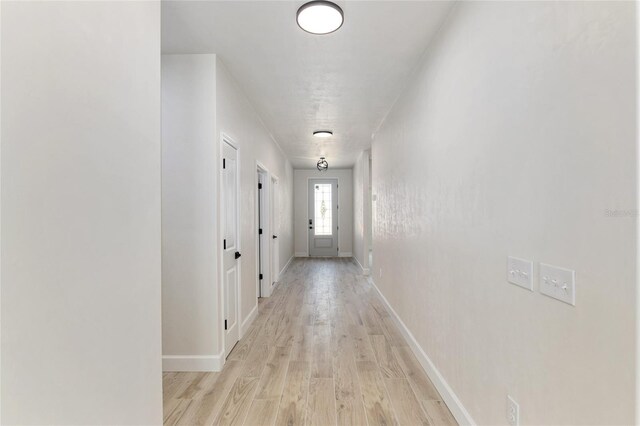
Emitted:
pixel 322 164
pixel 320 17
pixel 323 133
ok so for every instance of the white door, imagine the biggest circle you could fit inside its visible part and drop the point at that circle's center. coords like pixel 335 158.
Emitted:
pixel 275 230
pixel 230 246
pixel 323 217
pixel 262 290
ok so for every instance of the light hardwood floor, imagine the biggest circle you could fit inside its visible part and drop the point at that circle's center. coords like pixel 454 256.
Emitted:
pixel 322 351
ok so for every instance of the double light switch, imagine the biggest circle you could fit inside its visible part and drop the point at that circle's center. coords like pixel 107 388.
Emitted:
pixel 556 282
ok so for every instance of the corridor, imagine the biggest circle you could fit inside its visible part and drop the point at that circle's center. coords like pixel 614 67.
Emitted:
pixel 320 212
pixel 323 350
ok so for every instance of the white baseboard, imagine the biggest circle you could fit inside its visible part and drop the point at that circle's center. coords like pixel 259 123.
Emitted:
pixel 193 362
pixel 248 320
pixel 284 269
pixel 341 254
pixel 460 413
pixel 365 271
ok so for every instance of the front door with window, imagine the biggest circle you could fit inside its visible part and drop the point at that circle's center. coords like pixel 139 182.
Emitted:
pixel 323 217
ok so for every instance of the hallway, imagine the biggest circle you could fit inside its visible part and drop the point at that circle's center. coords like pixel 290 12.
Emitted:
pixel 323 350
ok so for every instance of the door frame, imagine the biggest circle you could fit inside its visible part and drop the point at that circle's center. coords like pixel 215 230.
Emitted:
pixel 266 289
pixel 306 221
pixel 224 138
pixel 274 266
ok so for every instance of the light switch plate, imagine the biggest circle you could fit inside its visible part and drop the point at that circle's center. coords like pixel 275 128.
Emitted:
pixel 520 272
pixel 559 283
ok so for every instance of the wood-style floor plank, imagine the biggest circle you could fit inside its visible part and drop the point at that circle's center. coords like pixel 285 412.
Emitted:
pixel 294 399
pixel 438 413
pixel 262 412
pixel 205 410
pixel 321 404
pixel 349 405
pixel 272 379
pixel 418 379
pixel 405 404
pixel 385 357
pixel 174 409
pixel 322 350
pixel 236 407
pixel 374 395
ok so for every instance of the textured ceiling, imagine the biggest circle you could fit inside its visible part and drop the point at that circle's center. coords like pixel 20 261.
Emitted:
pixel 345 81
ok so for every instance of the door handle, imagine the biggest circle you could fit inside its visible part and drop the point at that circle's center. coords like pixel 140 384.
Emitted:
pixel 275 236
pixel 238 254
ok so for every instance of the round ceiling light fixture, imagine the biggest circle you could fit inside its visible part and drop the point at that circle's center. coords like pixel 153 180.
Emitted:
pixel 323 133
pixel 322 164
pixel 320 17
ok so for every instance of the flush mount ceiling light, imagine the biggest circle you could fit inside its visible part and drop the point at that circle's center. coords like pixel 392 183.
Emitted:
pixel 322 164
pixel 320 17
pixel 323 133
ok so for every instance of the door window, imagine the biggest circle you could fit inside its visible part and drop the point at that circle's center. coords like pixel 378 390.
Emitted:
pixel 323 209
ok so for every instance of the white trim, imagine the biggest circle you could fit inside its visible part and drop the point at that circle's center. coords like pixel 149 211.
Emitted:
pixel 285 267
pixel 345 254
pixel 301 254
pixel 248 321
pixel 193 362
pixel 460 413
pixel 365 271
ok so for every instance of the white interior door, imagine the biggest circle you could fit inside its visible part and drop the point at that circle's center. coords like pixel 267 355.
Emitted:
pixel 263 238
pixel 260 235
pixel 230 245
pixel 275 230
pixel 323 217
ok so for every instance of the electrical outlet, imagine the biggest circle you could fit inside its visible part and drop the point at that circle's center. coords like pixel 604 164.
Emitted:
pixel 520 272
pixel 380 273
pixel 558 283
pixel 513 412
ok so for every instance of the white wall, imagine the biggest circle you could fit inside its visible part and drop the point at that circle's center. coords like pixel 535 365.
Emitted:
pixel 301 207
pixel 189 209
pixel 81 213
pixel 200 102
pixel 515 136
pixel 237 118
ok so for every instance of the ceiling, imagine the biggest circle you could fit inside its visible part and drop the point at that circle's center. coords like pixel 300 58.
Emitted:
pixel 298 82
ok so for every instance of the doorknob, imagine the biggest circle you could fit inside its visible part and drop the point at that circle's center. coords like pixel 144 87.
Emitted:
pixel 238 254
pixel 275 236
